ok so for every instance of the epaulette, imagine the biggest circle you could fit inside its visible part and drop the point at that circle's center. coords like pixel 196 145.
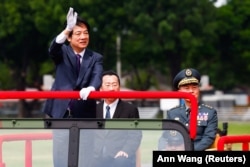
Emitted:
pixel 178 106
pixel 207 106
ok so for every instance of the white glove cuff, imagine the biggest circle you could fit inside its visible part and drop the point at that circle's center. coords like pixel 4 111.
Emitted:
pixel 91 88
pixel 68 28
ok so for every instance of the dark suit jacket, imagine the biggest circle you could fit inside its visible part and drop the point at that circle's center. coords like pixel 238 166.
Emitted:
pixel 207 123
pixel 117 140
pixel 66 79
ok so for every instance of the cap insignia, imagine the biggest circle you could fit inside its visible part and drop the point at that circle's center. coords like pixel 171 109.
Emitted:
pixel 188 73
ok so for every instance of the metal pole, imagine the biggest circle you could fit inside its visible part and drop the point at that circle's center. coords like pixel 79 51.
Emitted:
pixel 118 54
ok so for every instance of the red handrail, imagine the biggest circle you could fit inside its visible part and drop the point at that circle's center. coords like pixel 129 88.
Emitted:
pixel 95 95
pixel 99 95
pixel 28 138
pixel 244 139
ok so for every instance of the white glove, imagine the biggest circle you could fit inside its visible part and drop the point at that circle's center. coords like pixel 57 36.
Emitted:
pixel 84 92
pixel 71 19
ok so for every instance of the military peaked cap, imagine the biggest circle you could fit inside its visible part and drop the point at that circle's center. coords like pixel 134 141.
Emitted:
pixel 186 76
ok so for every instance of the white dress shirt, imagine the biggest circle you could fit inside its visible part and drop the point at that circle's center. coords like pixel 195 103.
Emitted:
pixel 112 108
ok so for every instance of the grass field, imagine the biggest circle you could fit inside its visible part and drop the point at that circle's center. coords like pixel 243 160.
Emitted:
pixel 13 151
pixel 237 128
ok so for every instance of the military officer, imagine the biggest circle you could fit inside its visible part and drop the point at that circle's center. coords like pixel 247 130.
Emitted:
pixel 188 80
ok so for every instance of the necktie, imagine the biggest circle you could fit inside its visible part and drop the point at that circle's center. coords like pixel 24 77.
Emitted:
pixel 78 63
pixel 107 112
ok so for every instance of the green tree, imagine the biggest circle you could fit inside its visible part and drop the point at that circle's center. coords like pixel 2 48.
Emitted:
pixel 172 35
pixel 156 37
pixel 233 46
pixel 25 30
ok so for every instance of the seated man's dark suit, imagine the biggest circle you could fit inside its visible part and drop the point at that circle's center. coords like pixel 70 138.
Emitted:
pixel 109 142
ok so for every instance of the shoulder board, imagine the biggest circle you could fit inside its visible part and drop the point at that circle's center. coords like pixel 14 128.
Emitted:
pixel 178 106
pixel 207 106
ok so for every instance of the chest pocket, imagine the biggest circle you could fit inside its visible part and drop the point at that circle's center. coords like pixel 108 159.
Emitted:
pixel 201 123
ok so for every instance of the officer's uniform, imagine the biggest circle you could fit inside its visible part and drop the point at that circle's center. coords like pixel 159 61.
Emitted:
pixel 206 124
pixel 207 121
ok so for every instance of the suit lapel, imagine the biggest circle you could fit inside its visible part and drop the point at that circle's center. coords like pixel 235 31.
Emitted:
pixel 86 61
pixel 99 110
pixel 72 60
pixel 118 109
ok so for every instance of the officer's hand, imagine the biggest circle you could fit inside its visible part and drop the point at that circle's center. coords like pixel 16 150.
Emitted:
pixel 71 19
pixel 84 92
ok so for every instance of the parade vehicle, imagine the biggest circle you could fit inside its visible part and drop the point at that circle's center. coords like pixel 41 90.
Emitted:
pixel 29 141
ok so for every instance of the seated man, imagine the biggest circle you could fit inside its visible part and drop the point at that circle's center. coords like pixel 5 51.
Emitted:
pixel 115 148
pixel 171 140
pixel 188 81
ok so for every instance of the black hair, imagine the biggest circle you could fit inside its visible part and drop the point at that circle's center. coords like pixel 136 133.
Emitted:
pixel 110 72
pixel 82 21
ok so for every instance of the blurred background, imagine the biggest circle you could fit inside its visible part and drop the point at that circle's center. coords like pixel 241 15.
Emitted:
pixel 146 42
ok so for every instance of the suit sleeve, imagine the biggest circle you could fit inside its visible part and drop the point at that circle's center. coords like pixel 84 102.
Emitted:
pixel 55 51
pixel 209 133
pixel 96 72
pixel 134 113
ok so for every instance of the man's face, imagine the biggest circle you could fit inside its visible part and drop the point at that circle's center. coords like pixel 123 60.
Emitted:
pixel 190 88
pixel 80 38
pixel 110 83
